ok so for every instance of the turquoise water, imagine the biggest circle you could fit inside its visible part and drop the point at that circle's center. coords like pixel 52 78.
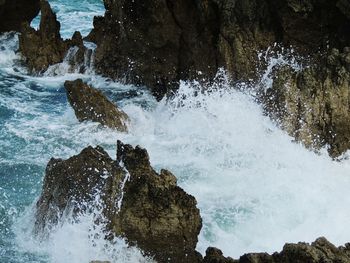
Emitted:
pixel 256 188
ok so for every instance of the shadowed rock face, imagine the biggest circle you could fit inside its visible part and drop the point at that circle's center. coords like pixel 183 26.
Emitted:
pixel 45 46
pixel 313 104
pixel 90 104
pixel 320 251
pixel 145 207
pixel 158 42
pixel 14 12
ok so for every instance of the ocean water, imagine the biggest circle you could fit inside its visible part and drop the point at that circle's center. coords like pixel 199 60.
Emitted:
pixel 255 187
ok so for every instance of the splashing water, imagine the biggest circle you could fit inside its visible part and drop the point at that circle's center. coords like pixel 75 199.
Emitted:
pixel 255 188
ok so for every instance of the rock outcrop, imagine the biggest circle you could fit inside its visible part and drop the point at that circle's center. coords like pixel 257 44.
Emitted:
pixel 146 208
pixel 158 42
pixel 14 12
pixel 320 251
pixel 45 47
pixel 90 104
pixel 312 104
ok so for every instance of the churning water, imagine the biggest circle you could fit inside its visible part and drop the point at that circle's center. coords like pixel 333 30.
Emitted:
pixel 256 189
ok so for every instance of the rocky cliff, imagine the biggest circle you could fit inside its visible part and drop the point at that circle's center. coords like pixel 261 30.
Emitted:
pixel 14 12
pixel 158 42
pixel 312 104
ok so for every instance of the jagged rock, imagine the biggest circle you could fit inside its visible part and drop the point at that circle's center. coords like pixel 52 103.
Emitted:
pixel 45 46
pixel 145 207
pixel 158 42
pixel 14 12
pixel 90 104
pixel 215 255
pixel 320 251
pixel 156 214
pixel 73 183
pixel 313 104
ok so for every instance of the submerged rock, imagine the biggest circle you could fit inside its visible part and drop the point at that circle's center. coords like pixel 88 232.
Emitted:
pixel 90 104
pixel 146 208
pixel 159 42
pixel 14 12
pixel 313 104
pixel 45 46
pixel 320 251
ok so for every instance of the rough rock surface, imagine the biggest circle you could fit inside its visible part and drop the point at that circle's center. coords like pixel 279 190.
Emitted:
pixel 45 46
pixel 14 12
pixel 90 104
pixel 320 251
pixel 158 42
pixel 145 207
pixel 313 104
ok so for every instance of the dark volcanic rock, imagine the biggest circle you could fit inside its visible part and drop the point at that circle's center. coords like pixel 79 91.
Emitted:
pixel 45 46
pixel 320 251
pixel 313 104
pixel 158 42
pixel 14 12
pixel 145 207
pixel 90 104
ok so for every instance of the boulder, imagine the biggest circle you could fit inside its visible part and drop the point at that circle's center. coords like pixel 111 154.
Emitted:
pixel 90 104
pixel 45 47
pixel 14 12
pixel 147 208
pixel 312 104
pixel 159 42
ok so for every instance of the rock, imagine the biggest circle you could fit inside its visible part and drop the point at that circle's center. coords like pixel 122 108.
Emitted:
pixel 159 42
pixel 214 255
pixel 146 208
pixel 320 251
pixel 156 214
pixel 72 184
pixel 313 104
pixel 90 104
pixel 45 46
pixel 14 12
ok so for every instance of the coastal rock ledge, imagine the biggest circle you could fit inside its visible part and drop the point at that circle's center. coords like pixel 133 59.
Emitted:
pixel 143 206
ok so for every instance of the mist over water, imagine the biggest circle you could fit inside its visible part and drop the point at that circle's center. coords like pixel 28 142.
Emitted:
pixel 255 187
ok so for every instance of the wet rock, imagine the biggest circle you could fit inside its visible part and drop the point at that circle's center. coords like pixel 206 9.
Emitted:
pixel 14 12
pixel 158 42
pixel 156 214
pixel 313 104
pixel 143 206
pixel 215 255
pixel 320 251
pixel 90 104
pixel 45 46
pixel 71 185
